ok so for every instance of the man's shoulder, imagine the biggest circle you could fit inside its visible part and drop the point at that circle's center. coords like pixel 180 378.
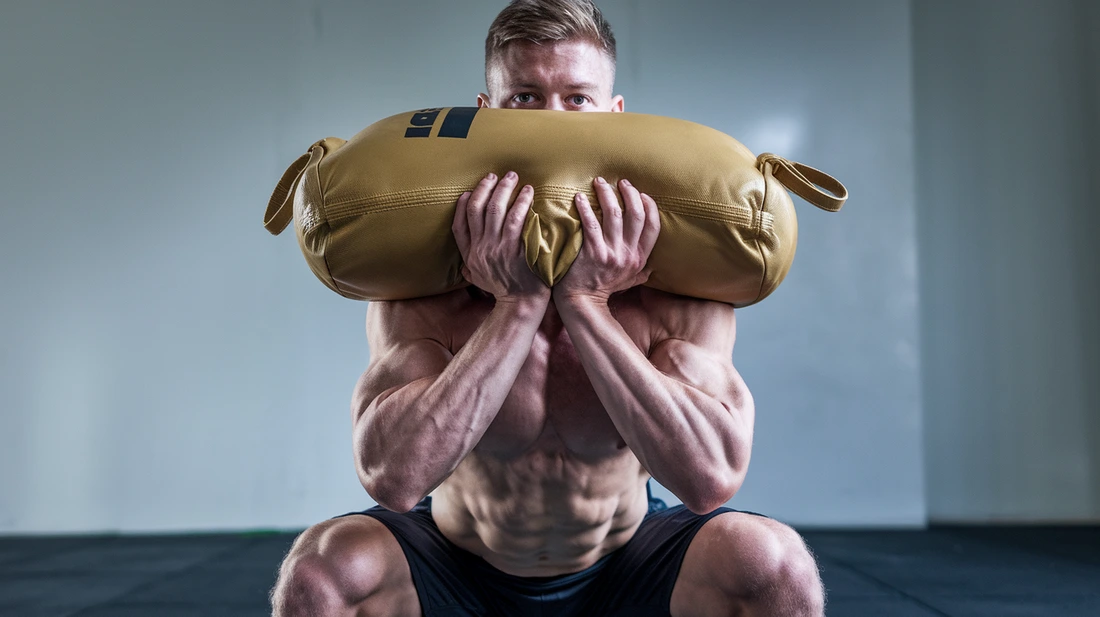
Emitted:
pixel 429 316
pixel 658 304
pixel 457 300
pixel 671 315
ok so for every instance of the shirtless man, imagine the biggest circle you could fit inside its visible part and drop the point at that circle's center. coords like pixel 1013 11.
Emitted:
pixel 534 417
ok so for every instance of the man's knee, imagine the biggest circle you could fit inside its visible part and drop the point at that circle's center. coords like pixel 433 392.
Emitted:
pixel 333 567
pixel 797 580
pixel 306 586
pixel 778 573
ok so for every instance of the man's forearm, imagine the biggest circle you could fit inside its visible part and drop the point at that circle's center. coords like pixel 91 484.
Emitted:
pixel 688 440
pixel 409 441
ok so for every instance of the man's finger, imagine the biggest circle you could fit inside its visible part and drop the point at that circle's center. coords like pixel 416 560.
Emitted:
pixel 633 213
pixel 612 212
pixel 517 214
pixel 592 232
pixel 652 228
pixel 498 204
pixel 460 227
pixel 475 209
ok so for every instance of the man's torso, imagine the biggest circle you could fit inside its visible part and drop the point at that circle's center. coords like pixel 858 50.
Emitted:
pixel 551 487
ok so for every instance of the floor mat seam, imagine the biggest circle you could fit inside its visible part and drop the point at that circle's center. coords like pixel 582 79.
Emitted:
pixel 901 592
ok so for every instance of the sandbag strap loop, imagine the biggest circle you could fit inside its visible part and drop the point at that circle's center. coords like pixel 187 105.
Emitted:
pixel 805 181
pixel 280 208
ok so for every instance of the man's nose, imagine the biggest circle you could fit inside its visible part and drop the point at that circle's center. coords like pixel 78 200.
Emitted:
pixel 554 104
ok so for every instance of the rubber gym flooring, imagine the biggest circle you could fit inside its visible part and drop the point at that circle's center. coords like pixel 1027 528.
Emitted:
pixel 956 571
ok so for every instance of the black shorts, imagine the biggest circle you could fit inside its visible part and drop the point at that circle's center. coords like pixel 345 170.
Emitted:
pixel 636 580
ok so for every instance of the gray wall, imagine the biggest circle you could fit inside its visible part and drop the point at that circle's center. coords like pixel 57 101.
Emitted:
pixel 167 365
pixel 1007 141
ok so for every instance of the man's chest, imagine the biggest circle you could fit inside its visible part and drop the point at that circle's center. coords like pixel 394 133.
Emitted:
pixel 553 402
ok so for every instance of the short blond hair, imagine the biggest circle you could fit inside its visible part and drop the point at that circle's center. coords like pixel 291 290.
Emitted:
pixel 540 21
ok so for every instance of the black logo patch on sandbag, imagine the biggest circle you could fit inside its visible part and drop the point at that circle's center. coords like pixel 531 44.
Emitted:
pixel 422 121
pixel 456 123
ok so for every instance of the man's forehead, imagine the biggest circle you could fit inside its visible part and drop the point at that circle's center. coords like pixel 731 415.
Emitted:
pixel 526 82
pixel 576 64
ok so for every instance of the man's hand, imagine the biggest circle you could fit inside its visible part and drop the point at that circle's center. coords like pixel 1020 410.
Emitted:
pixel 488 234
pixel 613 255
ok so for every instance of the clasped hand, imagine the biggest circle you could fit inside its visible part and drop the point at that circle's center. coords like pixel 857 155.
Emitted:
pixel 613 256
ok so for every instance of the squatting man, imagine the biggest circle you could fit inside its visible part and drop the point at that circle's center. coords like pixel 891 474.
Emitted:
pixel 509 430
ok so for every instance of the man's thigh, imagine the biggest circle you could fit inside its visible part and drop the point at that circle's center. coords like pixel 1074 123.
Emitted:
pixel 741 563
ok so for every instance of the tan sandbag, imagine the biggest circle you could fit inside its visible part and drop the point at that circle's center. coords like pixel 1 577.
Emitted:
pixel 373 214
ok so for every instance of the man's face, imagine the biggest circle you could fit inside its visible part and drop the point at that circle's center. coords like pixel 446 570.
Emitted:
pixel 571 75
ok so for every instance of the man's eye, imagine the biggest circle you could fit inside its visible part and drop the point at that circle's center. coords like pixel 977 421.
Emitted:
pixel 523 98
pixel 578 100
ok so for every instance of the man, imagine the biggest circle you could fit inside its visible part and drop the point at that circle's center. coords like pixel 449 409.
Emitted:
pixel 535 417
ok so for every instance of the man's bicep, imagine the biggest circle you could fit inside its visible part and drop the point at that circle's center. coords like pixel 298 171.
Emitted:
pixel 711 374
pixel 697 350
pixel 699 367
pixel 400 366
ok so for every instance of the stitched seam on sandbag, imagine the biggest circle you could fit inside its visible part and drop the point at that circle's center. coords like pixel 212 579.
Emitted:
pixel 314 216
pixel 419 204
pixel 733 213
pixel 310 219
pixel 364 206
pixel 760 249
pixel 324 254
pixel 737 214
pixel 311 216
pixel 375 210
pixel 389 200
pixel 729 213
pixel 767 223
pixel 706 217
pixel 558 192
pixel 394 201
pixel 396 195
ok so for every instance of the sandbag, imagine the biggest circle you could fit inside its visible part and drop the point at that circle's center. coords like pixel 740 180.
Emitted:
pixel 373 215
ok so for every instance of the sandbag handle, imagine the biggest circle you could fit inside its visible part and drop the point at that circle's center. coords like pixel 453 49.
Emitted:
pixel 805 181
pixel 280 208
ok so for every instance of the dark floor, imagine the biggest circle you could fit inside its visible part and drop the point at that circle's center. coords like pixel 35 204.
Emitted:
pixel 996 572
